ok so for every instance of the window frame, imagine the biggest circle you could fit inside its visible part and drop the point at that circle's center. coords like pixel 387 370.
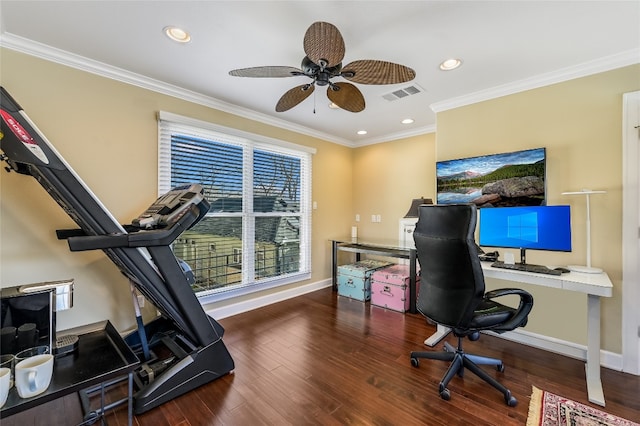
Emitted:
pixel 171 123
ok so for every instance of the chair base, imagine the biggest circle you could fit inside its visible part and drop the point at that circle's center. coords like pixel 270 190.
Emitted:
pixel 459 361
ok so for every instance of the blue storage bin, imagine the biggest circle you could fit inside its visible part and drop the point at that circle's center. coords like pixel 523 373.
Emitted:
pixel 354 280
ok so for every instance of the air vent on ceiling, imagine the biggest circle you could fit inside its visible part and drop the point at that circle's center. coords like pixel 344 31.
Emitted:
pixel 413 89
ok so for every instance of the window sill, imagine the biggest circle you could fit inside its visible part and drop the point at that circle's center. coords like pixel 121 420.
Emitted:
pixel 214 296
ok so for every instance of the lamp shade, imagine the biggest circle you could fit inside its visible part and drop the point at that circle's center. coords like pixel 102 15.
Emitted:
pixel 417 202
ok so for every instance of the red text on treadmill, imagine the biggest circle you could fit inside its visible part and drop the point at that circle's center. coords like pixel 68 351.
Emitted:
pixel 16 128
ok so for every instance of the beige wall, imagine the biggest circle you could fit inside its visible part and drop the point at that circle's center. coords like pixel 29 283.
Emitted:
pixel 107 131
pixel 580 124
pixel 387 177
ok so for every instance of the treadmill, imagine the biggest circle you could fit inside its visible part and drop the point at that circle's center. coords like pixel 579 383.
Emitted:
pixel 180 350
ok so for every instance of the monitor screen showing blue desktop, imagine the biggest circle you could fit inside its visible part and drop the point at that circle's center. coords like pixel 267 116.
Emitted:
pixel 534 227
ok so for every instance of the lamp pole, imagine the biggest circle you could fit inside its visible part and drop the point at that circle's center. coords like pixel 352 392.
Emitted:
pixel 587 269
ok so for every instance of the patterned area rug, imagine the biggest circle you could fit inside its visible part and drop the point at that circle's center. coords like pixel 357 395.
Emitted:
pixel 547 409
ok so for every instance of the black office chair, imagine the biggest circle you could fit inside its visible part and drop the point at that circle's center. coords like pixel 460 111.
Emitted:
pixel 452 291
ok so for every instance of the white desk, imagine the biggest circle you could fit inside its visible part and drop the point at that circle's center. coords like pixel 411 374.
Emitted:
pixel 594 285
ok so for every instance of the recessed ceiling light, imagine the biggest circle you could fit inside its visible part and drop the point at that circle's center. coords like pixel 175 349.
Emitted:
pixel 177 34
pixel 407 121
pixel 450 64
pixel 362 132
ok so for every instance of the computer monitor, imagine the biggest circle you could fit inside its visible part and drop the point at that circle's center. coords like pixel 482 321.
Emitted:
pixel 531 227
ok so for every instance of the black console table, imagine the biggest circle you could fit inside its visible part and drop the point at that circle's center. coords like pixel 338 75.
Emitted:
pixel 381 248
pixel 102 356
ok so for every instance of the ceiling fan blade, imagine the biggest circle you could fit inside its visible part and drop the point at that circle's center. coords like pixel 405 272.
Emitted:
pixel 294 96
pixel 346 97
pixel 324 43
pixel 266 72
pixel 377 72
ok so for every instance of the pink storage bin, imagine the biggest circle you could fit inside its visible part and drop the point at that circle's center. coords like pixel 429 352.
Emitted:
pixel 390 288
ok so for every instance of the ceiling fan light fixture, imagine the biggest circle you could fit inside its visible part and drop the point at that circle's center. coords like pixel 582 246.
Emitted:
pixel 324 50
pixel 333 105
pixel 177 34
pixel 450 64
pixel 407 121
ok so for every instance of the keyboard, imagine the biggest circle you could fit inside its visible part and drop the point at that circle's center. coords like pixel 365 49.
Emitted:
pixel 538 269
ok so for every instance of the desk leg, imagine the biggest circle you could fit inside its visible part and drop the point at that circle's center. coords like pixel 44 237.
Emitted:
pixel 334 264
pixel 441 333
pixel 412 281
pixel 592 368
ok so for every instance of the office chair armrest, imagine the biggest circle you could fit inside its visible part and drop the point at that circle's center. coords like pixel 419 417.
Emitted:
pixel 505 292
pixel 519 319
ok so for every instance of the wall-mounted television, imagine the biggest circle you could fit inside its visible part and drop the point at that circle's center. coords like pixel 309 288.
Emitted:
pixel 495 180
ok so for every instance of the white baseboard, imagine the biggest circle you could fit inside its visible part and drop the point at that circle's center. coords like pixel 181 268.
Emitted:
pixel 258 302
pixel 607 359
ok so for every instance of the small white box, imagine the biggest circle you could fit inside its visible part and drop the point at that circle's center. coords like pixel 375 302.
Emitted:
pixel 509 258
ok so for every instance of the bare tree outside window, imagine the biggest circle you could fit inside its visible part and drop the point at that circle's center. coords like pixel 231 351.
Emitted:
pixel 215 252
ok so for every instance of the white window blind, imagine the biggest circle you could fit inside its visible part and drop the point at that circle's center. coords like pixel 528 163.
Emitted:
pixel 258 229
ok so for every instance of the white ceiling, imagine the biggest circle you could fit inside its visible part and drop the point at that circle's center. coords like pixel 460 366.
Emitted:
pixel 506 46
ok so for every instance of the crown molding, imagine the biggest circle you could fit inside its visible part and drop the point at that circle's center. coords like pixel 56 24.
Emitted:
pixel 607 63
pixel 395 136
pixel 43 51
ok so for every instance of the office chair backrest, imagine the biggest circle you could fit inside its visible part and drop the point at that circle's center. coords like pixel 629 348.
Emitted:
pixel 452 282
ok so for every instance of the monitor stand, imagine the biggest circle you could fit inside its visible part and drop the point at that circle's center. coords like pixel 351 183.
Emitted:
pixel 523 260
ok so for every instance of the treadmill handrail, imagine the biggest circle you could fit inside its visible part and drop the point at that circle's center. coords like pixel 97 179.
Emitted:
pixel 143 238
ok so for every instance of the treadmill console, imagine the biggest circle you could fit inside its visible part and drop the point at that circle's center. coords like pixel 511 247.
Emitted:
pixel 167 209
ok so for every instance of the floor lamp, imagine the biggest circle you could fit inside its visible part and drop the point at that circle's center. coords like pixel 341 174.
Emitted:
pixel 578 268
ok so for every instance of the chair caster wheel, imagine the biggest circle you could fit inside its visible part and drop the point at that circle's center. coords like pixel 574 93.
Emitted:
pixel 510 400
pixel 445 394
pixel 500 368
pixel 415 362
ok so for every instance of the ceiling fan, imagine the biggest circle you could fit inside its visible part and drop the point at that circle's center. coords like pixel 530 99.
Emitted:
pixel 324 49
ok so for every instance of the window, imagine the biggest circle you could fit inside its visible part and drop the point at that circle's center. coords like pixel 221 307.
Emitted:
pixel 257 232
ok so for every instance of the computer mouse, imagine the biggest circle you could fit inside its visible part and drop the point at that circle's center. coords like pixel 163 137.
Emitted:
pixel 562 270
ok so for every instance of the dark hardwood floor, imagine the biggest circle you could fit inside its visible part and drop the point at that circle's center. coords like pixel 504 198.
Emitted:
pixel 323 359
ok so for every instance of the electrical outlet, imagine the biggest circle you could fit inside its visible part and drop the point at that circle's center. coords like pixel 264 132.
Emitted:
pixel 357 218
pixel 373 218
pixel 378 218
